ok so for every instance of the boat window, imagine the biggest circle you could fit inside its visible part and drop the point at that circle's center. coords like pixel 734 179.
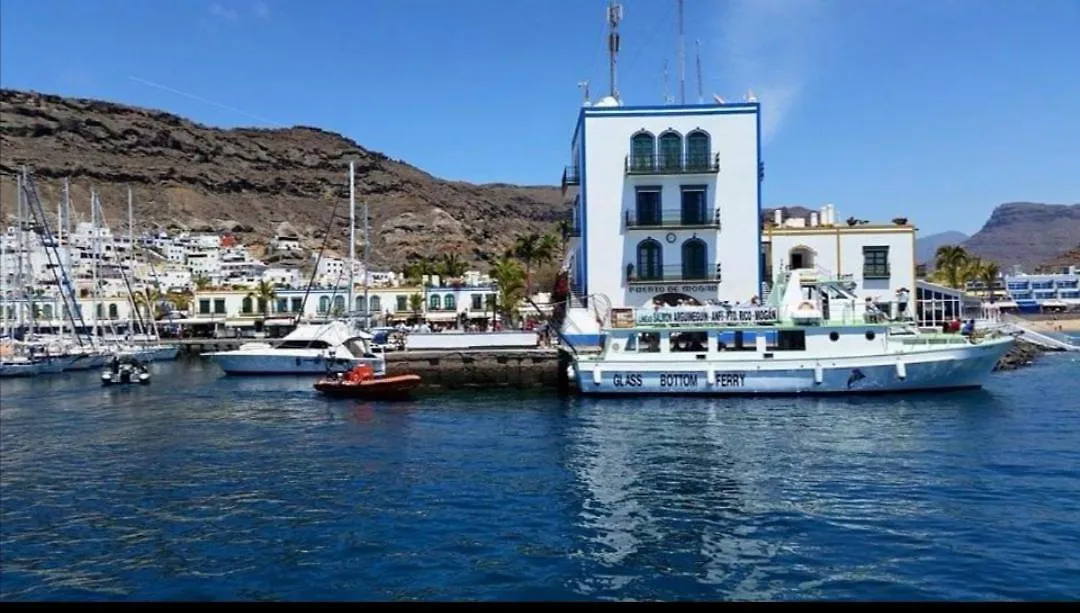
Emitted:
pixel 744 340
pixel 301 344
pixel 631 343
pixel 649 342
pixel 791 340
pixel 689 341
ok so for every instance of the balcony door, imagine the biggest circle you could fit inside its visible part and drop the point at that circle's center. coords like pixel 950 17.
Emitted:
pixel 648 206
pixel 694 261
pixel 649 260
pixel 693 206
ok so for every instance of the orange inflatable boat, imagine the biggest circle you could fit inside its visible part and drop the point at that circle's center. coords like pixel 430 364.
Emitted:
pixel 361 382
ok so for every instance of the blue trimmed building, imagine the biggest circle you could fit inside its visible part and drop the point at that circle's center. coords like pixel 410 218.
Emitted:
pixel 667 207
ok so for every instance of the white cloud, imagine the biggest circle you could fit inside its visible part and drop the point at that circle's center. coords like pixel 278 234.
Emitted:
pixel 222 12
pixel 261 10
pixel 773 47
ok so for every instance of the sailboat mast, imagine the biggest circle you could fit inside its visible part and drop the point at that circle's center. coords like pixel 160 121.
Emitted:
pixel 367 254
pixel 94 274
pixel 66 254
pixel 131 231
pixel 3 276
pixel 21 239
pixel 352 238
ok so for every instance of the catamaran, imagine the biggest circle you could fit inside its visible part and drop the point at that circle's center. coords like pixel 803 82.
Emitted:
pixel 812 336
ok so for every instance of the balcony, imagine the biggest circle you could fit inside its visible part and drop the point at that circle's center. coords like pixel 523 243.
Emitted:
pixel 570 177
pixel 672 219
pixel 676 273
pixel 881 271
pixel 673 165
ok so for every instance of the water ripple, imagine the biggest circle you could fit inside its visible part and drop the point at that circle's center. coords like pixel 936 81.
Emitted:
pixel 200 487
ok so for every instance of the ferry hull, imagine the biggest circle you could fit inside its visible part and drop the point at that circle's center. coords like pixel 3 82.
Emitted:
pixel 943 370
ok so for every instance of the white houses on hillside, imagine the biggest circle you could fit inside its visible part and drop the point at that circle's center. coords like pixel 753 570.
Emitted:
pixel 668 203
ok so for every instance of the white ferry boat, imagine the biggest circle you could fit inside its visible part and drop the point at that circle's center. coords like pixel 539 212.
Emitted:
pixel 309 349
pixel 813 336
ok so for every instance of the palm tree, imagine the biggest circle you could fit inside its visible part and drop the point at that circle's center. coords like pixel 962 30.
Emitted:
pixel 182 300
pixel 452 266
pixel 950 262
pixel 416 303
pixel 418 267
pixel 151 298
pixel 564 227
pixel 202 283
pixel 509 277
pixel 988 274
pixel 534 249
pixel 263 293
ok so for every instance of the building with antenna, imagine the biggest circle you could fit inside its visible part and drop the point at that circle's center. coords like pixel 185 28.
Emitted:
pixel 667 204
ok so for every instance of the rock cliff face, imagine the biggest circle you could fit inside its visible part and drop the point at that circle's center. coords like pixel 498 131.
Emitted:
pixel 190 176
pixel 1027 233
pixel 1062 260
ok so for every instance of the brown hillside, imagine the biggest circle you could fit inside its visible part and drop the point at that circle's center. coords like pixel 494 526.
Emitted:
pixel 191 176
pixel 1062 260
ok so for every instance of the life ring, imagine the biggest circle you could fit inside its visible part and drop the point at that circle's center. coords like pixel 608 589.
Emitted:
pixel 806 305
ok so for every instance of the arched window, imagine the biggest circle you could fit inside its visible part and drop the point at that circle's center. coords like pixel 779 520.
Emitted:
pixel 324 304
pixel 361 304
pixel 449 303
pixel 339 304
pixel 434 302
pixel 670 151
pixel 114 312
pixel 697 151
pixel 100 311
pixel 694 262
pixel 245 306
pixel 650 261
pixel 642 152
pixel 376 304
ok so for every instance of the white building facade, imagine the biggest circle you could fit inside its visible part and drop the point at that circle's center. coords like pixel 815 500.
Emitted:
pixel 668 203
pixel 878 259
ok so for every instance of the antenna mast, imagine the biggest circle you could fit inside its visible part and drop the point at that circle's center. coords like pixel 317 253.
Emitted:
pixel 700 94
pixel 584 87
pixel 614 17
pixel 668 99
pixel 682 58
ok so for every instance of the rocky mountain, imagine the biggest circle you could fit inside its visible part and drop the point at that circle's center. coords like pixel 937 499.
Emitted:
pixel 1026 233
pixel 251 181
pixel 927 246
pixel 1062 260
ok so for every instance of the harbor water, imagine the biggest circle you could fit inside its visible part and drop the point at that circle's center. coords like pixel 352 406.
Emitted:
pixel 204 487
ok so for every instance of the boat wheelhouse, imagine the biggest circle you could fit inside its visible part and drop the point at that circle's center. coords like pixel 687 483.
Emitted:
pixel 813 336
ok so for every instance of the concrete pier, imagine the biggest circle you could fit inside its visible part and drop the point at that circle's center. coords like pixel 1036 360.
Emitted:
pixel 482 369
pixel 447 369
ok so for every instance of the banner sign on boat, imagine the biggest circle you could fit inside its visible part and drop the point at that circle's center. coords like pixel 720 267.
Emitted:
pixel 628 318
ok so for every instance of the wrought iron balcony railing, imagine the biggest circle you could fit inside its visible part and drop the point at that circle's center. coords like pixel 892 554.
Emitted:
pixel 673 219
pixel 570 176
pixel 693 164
pixel 664 274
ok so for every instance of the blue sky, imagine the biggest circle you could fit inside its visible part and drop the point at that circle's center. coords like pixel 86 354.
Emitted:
pixel 937 110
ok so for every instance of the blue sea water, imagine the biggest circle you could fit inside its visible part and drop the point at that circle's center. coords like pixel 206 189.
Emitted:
pixel 200 487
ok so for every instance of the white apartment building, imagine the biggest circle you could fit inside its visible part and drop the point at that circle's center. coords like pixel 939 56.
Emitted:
pixel 879 259
pixel 668 203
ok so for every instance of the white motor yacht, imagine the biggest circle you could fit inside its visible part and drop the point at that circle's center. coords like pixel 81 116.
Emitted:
pixel 309 349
